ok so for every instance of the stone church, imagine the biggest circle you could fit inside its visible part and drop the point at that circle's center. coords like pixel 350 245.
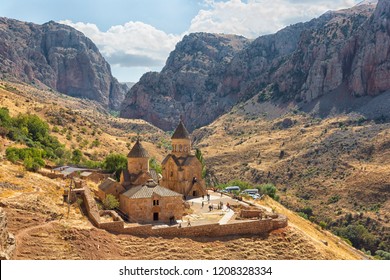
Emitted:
pixel 145 196
pixel 182 171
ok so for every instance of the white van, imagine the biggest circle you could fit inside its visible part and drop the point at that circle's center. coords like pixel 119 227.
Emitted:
pixel 251 191
pixel 232 189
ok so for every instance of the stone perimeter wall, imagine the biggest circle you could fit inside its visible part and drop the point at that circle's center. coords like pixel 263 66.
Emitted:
pixel 210 230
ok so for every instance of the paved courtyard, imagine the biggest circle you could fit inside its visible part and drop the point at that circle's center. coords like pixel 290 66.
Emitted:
pixel 208 211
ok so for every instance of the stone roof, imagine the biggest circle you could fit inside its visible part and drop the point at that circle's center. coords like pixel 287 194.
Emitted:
pixel 147 192
pixel 107 184
pixel 181 132
pixel 138 151
pixel 127 177
pixel 179 161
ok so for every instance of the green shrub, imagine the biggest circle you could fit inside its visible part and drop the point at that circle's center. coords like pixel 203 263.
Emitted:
pixel 110 202
pixel 333 199
pixel 307 210
pixel 12 155
pixel 32 158
pixel 5 119
pixel 33 164
pixel 359 236
pixel 269 189
pixel 383 254
pixel 323 225
pixel 77 155
pixel 303 215
pixel 95 143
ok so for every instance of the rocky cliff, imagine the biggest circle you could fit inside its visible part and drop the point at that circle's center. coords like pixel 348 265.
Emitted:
pixel 186 83
pixel 343 57
pixel 344 53
pixel 7 240
pixel 59 57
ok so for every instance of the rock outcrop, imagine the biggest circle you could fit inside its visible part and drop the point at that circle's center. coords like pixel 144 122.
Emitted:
pixel 344 53
pixel 59 57
pixel 186 83
pixel 7 240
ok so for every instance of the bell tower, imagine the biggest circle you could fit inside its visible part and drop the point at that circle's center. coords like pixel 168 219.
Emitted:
pixel 181 142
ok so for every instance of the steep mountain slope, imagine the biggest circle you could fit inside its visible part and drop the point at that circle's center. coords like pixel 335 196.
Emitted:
pixel 58 57
pixel 335 170
pixel 344 53
pixel 185 85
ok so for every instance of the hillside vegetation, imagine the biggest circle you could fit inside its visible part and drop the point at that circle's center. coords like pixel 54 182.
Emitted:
pixel 46 229
pixel 334 171
pixel 39 118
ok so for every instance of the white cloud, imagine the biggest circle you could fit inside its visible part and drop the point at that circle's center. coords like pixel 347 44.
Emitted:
pixel 133 44
pixel 253 18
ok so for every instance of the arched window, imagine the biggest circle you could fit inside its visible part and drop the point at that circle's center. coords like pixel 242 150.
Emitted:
pixel 180 148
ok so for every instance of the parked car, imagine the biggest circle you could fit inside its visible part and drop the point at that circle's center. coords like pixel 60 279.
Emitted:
pixel 232 189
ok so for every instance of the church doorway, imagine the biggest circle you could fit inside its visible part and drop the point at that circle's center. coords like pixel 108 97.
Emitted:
pixel 194 193
pixel 155 216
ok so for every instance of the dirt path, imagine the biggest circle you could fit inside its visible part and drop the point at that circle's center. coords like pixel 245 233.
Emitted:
pixel 24 234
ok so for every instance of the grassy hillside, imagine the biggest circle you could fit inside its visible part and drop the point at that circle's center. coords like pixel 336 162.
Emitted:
pixel 45 229
pixel 335 171
pixel 81 124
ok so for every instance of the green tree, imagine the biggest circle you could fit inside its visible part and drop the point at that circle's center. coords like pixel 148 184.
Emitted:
pixel 153 164
pixel 77 156
pixel 5 119
pixel 115 163
pixel 33 164
pixel 110 202
pixel 359 236
pixel 270 190
pixel 199 156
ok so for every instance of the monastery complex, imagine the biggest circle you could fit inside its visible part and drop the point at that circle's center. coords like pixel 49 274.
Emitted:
pixel 146 196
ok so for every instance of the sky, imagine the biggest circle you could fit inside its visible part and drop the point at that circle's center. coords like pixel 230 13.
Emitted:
pixel 136 36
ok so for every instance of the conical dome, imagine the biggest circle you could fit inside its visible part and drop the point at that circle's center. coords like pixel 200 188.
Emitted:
pixel 138 151
pixel 181 132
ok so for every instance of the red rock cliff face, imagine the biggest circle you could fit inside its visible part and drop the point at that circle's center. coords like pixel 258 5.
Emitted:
pixel 207 74
pixel 370 52
pixel 59 57
pixel 187 85
pixel 351 52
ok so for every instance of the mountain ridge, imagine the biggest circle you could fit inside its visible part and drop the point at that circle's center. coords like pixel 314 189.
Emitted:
pixel 297 65
pixel 59 57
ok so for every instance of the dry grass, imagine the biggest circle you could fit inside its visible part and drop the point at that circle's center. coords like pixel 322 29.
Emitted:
pixel 322 158
pixel 239 147
pixel 85 121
